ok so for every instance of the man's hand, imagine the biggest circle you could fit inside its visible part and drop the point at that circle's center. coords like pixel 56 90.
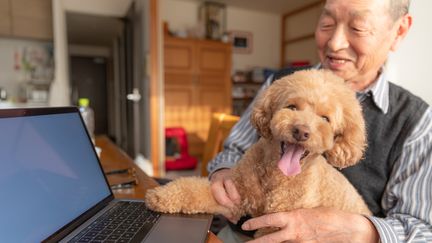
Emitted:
pixel 314 225
pixel 224 191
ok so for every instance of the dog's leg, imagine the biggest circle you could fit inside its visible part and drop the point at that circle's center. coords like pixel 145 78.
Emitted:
pixel 185 195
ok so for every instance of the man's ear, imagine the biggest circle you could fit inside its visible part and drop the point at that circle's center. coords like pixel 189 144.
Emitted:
pixel 403 26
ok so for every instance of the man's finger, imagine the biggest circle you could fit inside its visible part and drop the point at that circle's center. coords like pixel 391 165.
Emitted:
pixel 270 220
pixel 220 195
pixel 278 236
pixel 232 191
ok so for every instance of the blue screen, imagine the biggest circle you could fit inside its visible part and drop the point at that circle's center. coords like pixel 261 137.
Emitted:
pixel 49 175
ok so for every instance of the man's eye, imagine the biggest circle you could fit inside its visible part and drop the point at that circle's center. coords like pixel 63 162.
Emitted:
pixel 357 30
pixel 326 118
pixel 291 107
pixel 326 26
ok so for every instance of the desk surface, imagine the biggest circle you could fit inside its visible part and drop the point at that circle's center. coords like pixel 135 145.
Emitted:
pixel 113 158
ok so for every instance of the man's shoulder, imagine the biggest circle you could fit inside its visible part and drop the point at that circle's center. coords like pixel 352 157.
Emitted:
pixel 398 94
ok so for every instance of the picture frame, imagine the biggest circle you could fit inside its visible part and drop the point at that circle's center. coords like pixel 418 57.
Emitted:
pixel 242 41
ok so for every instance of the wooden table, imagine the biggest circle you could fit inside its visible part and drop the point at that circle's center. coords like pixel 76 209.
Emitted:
pixel 113 158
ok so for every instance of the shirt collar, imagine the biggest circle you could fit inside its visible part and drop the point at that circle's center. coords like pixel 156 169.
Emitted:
pixel 379 90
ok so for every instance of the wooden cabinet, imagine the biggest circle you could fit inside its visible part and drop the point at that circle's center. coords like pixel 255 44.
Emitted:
pixel 26 19
pixel 5 17
pixel 197 83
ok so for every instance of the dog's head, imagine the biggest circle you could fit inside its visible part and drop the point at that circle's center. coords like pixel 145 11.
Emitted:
pixel 311 112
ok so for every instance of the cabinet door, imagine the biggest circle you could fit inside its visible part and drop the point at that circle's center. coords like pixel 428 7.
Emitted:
pixel 179 56
pixel 215 98
pixel 32 19
pixel 5 18
pixel 214 57
pixel 178 102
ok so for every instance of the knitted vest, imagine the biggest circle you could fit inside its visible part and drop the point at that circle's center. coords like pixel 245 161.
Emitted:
pixel 386 136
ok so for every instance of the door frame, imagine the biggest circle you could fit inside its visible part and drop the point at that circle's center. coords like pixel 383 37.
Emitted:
pixel 157 133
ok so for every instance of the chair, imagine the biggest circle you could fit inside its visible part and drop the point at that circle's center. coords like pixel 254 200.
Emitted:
pixel 220 126
pixel 177 147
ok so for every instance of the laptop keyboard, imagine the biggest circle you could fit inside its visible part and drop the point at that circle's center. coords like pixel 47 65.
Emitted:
pixel 125 222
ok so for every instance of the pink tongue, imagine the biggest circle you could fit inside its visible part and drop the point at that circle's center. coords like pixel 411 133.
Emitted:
pixel 289 164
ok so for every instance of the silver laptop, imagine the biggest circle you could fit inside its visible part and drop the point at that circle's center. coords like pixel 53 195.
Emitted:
pixel 53 187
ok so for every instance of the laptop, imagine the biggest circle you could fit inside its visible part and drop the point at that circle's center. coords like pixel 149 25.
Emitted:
pixel 53 187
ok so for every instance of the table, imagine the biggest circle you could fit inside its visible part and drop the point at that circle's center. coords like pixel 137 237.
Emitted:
pixel 113 158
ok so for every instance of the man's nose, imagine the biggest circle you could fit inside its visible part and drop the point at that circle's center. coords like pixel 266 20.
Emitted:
pixel 338 39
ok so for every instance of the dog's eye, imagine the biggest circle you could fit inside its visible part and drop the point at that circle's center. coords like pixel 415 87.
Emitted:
pixel 291 107
pixel 326 118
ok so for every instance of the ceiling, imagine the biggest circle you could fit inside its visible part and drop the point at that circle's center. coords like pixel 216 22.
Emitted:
pixel 271 6
pixel 87 29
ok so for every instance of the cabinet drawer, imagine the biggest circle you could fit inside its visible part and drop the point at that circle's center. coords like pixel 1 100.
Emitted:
pixel 32 28
pixel 179 79
pixel 5 24
pixel 213 80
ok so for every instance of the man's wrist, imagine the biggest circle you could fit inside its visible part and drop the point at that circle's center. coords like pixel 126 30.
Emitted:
pixel 217 170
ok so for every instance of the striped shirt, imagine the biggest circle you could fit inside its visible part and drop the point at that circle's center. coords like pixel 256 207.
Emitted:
pixel 407 199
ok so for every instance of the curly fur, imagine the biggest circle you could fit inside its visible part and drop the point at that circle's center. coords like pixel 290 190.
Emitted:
pixel 316 100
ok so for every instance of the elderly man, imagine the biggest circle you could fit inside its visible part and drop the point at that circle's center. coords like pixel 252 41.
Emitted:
pixel 354 38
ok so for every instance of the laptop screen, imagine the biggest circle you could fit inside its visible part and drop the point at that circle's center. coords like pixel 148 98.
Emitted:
pixel 49 175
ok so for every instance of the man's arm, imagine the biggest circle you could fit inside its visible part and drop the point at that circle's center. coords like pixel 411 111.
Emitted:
pixel 407 199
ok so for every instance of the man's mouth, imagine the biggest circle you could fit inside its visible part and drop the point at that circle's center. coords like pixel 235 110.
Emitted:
pixel 291 155
pixel 336 62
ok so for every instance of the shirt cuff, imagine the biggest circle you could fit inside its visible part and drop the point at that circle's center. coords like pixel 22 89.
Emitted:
pixel 385 230
pixel 220 166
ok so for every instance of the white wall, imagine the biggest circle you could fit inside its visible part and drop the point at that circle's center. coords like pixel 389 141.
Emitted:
pixel 265 29
pixel 410 65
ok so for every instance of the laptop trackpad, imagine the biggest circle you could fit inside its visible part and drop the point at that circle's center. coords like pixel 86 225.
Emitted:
pixel 179 229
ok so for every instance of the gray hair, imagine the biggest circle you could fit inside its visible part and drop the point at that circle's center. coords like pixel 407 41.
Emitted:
pixel 398 8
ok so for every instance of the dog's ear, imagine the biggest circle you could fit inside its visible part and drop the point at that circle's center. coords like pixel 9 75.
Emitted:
pixel 262 114
pixel 350 142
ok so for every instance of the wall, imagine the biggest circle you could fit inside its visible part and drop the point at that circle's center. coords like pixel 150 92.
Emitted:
pixel 299 35
pixel 264 27
pixel 410 65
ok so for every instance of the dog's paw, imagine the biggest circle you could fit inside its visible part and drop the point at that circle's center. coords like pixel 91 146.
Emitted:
pixel 184 195
pixel 155 200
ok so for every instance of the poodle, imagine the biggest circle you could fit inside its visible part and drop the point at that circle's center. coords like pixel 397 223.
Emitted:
pixel 309 122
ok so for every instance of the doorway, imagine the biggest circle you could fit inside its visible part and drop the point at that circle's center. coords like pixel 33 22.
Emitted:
pixel 138 133
pixel 89 80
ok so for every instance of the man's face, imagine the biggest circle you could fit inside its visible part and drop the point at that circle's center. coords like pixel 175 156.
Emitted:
pixel 354 38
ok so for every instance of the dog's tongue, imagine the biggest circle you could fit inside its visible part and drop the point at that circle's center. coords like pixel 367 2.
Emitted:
pixel 289 163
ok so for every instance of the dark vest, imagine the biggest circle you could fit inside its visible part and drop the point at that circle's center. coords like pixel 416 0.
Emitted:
pixel 387 134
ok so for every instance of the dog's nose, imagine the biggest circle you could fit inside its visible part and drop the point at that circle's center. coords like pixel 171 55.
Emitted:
pixel 301 133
